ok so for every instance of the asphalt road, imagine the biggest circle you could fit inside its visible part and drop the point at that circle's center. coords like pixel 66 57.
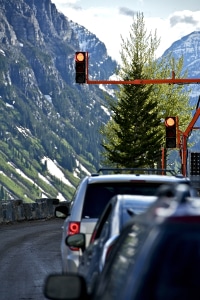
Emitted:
pixel 29 251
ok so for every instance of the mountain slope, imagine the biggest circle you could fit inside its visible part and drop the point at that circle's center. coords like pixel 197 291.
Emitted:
pixel 43 112
pixel 188 47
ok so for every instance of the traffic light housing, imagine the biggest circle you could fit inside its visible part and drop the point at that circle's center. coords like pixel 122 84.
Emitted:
pixel 171 132
pixel 195 163
pixel 80 67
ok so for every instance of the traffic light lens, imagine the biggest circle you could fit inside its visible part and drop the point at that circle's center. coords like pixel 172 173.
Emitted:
pixel 170 132
pixel 80 56
pixel 80 68
pixel 80 78
pixel 169 122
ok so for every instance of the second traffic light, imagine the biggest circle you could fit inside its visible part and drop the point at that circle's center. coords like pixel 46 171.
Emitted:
pixel 171 132
pixel 80 67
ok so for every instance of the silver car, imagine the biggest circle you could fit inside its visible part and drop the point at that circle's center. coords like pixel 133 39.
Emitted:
pixel 90 199
pixel 119 210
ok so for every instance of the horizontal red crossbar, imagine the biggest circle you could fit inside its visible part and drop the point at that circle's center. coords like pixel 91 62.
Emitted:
pixel 147 81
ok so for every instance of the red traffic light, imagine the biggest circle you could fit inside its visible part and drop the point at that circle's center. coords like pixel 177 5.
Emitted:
pixel 80 67
pixel 80 56
pixel 170 121
pixel 171 130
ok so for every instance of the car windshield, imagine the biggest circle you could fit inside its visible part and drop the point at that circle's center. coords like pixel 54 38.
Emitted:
pixel 98 195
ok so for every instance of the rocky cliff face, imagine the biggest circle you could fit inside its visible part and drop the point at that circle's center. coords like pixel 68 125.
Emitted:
pixel 189 47
pixel 43 112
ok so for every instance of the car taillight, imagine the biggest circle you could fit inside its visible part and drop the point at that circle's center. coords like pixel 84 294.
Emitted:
pixel 73 228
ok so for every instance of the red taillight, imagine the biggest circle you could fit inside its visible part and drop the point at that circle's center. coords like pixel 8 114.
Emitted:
pixel 74 227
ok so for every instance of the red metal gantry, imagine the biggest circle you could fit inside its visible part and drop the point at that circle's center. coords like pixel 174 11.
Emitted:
pixel 182 136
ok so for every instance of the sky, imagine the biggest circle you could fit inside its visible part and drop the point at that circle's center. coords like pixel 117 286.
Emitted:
pixel 109 20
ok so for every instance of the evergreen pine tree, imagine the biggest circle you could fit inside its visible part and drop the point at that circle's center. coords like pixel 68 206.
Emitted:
pixel 133 138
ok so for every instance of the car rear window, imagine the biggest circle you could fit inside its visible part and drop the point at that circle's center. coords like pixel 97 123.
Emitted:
pixel 98 195
pixel 96 198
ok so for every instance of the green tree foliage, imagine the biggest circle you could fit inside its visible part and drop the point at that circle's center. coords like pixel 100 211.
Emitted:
pixel 173 100
pixel 135 137
pixel 135 133
pixel 132 138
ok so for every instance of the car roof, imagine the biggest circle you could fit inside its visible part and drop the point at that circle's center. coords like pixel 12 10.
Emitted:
pixel 135 177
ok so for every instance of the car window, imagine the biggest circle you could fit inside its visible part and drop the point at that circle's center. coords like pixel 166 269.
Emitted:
pixel 104 219
pixel 174 269
pixel 136 207
pixel 96 198
pixel 124 257
pixel 104 234
pixel 98 195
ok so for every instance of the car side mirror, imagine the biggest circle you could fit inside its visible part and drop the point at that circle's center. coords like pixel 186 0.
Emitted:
pixel 62 211
pixel 65 287
pixel 77 240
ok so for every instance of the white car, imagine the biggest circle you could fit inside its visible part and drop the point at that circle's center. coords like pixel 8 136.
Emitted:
pixel 90 199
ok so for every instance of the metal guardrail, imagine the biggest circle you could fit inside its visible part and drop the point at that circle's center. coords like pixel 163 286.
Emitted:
pixel 17 210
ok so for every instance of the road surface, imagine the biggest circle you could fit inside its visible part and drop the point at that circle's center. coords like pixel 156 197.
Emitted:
pixel 29 251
